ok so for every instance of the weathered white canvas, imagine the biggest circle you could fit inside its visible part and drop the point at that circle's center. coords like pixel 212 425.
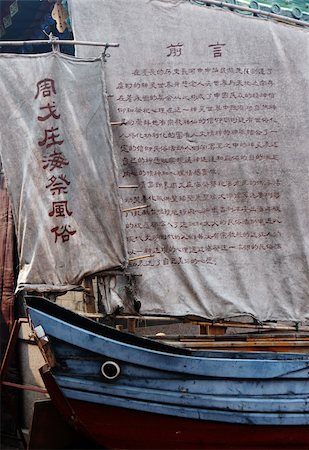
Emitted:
pixel 217 137
pixel 56 149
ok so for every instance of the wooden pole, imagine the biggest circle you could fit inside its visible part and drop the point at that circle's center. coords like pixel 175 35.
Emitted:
pixel 89 297
pixel 134 208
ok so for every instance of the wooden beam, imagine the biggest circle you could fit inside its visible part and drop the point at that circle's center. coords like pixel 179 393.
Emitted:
pixel 131 325
pixel 89 298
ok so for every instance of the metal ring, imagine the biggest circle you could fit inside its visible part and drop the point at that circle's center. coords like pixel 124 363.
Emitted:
pixel 110 370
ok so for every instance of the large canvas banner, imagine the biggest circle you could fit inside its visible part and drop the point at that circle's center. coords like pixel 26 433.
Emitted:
pixel 56 151
pixel 217 135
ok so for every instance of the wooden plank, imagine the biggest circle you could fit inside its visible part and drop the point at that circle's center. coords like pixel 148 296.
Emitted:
pixel 224 324
pixel 89 298
pixel 245 346
pixel 131 325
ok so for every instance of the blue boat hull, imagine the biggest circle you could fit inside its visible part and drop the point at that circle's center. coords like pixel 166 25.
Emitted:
pixel 97 365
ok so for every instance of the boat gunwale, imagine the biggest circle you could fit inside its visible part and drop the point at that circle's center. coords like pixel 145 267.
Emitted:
pixel 73 319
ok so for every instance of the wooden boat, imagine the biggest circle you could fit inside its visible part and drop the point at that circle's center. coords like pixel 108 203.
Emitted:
pixel 131 392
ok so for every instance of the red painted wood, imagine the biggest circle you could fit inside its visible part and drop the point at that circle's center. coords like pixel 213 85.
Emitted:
pixel 119 428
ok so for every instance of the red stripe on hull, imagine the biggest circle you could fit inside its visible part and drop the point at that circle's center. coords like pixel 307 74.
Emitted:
pixel 119 428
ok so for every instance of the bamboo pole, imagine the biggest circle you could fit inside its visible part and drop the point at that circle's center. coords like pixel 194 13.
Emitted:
pixel 136 258
pixel 122 122
pixel 134 208
pixel 54 41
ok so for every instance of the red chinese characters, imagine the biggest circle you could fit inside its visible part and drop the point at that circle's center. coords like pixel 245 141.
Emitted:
pixel 53 161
